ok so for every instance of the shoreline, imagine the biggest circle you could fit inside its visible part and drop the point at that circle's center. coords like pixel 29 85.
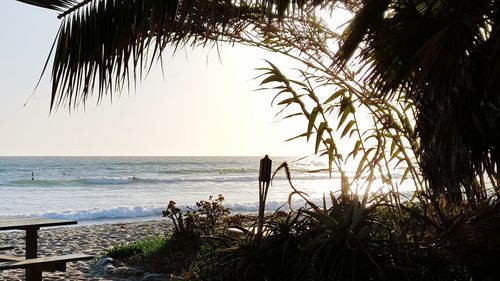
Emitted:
pixel 126 220
pixel 80 239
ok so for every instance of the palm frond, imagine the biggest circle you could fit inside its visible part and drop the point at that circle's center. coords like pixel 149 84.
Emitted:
pixel 104 45
pixel 57 5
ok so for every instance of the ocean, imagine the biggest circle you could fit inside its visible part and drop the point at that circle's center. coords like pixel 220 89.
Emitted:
pixel 95 190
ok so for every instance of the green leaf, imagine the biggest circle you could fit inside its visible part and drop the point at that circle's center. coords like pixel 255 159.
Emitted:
pixel 345 113
pixel 278 94
pixel 328 109
pixel 316 171
pixel 401 160
pixel 319 135
pixel 323 218
pixel 335 95
pixel 292 115
pixel 296 137
pixel 395 153
pixel 393 146
pixel 290 100
pixel 405 175
pixel 347 128
pixel 277 71
pixel 352 132
pixel 312 119
pixel 356 148
pixel 330 158
pixel 271 78
pixel 361 165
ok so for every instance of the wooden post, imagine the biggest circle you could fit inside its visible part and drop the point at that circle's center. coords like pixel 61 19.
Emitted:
pixel 31 253
pixel 264 180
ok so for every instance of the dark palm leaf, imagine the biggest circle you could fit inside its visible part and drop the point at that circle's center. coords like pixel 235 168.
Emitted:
pixel 443 55
pixel 104 44
pixel 100 39
pixel 58 5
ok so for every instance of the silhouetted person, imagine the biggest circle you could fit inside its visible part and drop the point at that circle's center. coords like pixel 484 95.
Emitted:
pixel 32 176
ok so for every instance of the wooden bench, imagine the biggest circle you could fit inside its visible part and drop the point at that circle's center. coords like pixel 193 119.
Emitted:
pixel 48 264
pixel 34 265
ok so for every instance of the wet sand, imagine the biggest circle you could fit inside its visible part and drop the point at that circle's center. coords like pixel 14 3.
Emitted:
pixel 91 240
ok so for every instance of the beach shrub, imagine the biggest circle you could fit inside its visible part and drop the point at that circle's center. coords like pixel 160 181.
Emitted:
pixel 350 240
pixel 208 215
pixel 181 227
pixel 307 244
pixel 148 247
pixel 167 255
pixel 200 220
pixel 189 227
pixel 352 237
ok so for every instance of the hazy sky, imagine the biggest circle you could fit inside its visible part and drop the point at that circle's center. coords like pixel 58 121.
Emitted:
pixel 202 107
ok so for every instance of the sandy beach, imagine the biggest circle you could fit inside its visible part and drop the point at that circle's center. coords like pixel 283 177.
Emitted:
pixel 92 240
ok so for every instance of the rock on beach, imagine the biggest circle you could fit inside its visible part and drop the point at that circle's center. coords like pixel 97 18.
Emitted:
pixel 92 240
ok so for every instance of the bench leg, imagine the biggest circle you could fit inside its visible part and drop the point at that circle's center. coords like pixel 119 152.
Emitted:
pixel 31 253
pixel 33 275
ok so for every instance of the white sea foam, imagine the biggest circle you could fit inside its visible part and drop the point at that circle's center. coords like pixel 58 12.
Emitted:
pixel 145 211
pixel 106 180
pixel 100 214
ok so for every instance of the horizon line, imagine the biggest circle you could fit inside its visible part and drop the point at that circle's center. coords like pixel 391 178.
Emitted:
pixel 150 155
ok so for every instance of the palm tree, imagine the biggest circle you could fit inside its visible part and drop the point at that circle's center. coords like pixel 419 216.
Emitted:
pixel 443 55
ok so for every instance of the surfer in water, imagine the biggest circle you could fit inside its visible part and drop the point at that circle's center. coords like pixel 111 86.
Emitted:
pixel 32 176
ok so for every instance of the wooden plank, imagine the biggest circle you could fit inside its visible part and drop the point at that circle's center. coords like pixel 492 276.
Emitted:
pixel 52 267
pixel 3 248
pixel 23 223
pixel 10 258
pixel 44 262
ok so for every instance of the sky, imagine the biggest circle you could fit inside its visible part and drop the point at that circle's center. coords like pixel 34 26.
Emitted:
pixel 201 106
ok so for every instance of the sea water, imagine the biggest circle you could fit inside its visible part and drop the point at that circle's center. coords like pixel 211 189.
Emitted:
pixel 96 190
